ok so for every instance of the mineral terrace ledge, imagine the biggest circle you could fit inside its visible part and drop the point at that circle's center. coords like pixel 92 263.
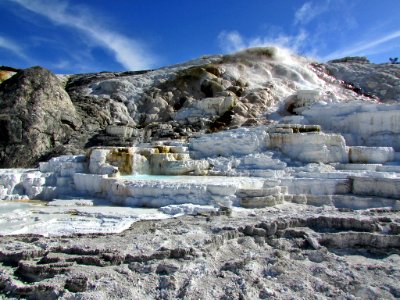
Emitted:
pixel 159 192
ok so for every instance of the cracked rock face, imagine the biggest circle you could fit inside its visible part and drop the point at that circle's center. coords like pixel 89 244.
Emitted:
pixel 251 254
pixel 37 118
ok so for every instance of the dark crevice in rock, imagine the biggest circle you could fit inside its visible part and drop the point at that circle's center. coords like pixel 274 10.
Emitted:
pixel 328 224
pixel 29 271
pixel 222 122
pixel 178 253
pixel 77 284
pixel 358 90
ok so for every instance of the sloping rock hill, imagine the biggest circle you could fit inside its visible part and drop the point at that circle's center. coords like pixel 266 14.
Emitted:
pixel 44 115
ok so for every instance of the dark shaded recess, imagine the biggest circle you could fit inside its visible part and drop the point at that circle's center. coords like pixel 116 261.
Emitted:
pixel 372 253
pixel 290 109
pixel 24 277
pixel 357 90
pixel 179 104
pixel 170 134
pixel 103 139
pixel 237 90
pixel 206 88
pixel 130 73
pixel 55 151
pixel 306 129
pixel 93 141
pixel 222 122
pixel 77 284
pixel 4 135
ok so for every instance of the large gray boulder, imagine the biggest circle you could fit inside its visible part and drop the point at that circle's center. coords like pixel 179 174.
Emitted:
pixel 37 118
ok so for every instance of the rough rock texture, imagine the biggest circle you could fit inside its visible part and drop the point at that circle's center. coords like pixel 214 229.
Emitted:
pixel 273 253
pixel 382 80
pixel 209 94
pixel 37 118
pixel 106 121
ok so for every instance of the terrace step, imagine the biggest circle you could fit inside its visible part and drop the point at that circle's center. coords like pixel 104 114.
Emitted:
pixel 249 193
pixel 318 186
pixel 358 167
pixel 376 186
pixel 389 168
pixel 344 201
pixel 260 202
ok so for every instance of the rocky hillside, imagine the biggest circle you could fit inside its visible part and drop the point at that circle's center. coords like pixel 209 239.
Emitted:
pixel 44 115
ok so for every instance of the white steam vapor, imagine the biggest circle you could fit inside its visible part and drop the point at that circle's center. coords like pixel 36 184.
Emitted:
pixel 232 41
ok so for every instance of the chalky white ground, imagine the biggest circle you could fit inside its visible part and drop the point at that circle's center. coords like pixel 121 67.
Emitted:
pixel 68 217
pixel 72 216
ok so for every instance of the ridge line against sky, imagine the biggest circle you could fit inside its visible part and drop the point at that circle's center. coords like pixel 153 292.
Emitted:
pixel 92 35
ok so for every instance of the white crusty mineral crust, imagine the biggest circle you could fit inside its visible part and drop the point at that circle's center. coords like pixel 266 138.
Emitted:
pixel 310 147
pixel 362 124
pixel 381 187
pixel 370 155
pixel 240 141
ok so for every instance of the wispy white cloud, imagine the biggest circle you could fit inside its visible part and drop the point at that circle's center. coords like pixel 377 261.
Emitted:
pixel 309 11
pixel 231 41
pixel 332 20
pixel 366 47
pixel 13 47
pixel 304 13
pixel 130 53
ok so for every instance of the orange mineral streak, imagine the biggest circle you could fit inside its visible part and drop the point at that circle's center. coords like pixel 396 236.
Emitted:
pixel 4 75
pixel 121 158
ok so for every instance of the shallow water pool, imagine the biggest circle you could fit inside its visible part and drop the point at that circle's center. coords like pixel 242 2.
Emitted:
pixel 37 218
pixel 240 182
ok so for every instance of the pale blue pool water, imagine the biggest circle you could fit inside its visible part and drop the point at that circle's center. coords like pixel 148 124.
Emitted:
pixel 161 177
pixel 241 182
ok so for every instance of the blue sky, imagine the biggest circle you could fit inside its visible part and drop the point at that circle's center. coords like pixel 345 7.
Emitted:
pixel 76 36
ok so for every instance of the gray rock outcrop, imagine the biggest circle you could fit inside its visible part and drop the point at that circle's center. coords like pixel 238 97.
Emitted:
pixel 37 118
